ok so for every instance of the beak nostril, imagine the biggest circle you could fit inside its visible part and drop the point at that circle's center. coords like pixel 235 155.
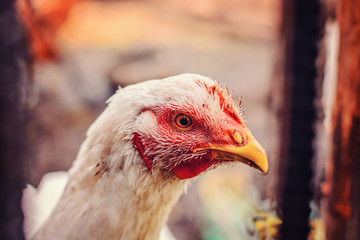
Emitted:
pixel 237 137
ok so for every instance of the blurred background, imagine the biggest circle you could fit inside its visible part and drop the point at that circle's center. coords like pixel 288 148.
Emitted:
pixel 84 49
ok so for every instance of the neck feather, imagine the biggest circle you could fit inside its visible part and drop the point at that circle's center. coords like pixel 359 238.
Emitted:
pixel 112 201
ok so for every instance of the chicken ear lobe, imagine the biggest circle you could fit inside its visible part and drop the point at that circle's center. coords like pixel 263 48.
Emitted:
pixel 139 146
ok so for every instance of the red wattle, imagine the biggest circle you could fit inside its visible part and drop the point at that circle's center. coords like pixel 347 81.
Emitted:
pixel 193 168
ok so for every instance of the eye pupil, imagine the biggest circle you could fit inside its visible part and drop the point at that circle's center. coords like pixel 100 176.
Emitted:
pixel 184 121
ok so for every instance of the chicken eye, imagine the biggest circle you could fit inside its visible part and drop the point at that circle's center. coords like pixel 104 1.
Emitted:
pixel 182 121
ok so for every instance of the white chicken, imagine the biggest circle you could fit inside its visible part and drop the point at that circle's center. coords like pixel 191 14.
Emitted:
pixel 139 156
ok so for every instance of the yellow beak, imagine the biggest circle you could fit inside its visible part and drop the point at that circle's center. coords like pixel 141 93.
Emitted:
pixel 252 153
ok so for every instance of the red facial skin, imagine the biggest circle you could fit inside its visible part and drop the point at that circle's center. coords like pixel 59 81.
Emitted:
pixel 172 148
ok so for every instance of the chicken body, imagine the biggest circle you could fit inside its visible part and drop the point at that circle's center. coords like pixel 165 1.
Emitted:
pixel 142 152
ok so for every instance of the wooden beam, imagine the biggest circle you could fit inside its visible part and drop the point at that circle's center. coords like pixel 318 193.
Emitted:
pixel 343 214
pixel 14 77
pixel 301 29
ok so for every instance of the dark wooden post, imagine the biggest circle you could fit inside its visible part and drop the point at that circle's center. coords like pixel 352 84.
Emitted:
pixel 343 215
pixel 301 31
pixel 14 76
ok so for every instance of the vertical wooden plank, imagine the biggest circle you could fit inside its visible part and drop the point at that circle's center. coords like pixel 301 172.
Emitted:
pixel 14 76
pixel 344 199
pixel 302 30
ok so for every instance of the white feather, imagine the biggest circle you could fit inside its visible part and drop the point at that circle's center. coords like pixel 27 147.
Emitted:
pixel 111 194
pixel 37 204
